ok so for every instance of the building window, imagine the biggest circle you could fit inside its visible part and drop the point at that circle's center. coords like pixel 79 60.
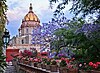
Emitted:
pixel 22 41
pixel 27 30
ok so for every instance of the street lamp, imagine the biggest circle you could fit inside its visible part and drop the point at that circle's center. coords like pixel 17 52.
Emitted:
pixel 6 38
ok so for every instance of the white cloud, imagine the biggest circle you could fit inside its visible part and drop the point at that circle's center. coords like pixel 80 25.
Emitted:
pixel 17 9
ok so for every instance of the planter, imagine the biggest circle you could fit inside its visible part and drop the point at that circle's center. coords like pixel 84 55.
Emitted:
pixel 32 63
pixel 89 71
pixel 29 63
pixel 35 64
pixel 26 62
pixel 47 67
pixel 39 65
pixel 63 70
pixel 82 71
pixel 94 71
pixel 53 68
pixel 43 66
pixel 72 70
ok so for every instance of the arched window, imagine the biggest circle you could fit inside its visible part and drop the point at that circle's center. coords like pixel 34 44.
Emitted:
pixel 26 30
pixel 22 41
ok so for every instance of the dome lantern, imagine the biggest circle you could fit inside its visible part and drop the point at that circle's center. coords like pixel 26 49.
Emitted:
pixel 30 8
pixel 31 16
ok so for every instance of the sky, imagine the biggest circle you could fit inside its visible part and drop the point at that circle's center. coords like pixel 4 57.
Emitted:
pixel 17 9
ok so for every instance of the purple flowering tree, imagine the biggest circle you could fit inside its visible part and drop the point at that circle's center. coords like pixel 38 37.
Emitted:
pixel 45 33
pixel 83 37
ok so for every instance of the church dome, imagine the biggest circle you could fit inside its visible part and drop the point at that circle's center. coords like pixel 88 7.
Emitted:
pixel 31 16
pixel 30 19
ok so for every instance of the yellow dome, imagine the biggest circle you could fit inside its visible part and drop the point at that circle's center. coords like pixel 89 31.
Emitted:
pixel 31 16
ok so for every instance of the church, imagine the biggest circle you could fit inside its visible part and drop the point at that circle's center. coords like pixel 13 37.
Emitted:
pixel 24 39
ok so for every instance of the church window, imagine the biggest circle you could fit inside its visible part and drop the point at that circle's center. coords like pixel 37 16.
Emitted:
pixel 22 41
pixel 27 30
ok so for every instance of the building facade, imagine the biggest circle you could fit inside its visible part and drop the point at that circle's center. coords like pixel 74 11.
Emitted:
pixel 24 39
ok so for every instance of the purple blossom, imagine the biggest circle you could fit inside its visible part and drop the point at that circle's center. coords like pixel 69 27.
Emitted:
pixel 61 55
pixel 89 30
pixel 47 30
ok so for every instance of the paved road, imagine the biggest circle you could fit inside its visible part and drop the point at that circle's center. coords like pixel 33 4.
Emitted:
pixel 10 69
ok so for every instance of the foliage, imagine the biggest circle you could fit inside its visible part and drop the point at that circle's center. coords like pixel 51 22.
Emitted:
pixel 3 9
pixel 83 37
pixel 65 37
pixel 53 62
pixel 3 19
pixel 94 66
pixel 81 55
pixel 59 41
pixel 48 62
pixel 29 53
pixel 79 6
pixel 89 66
pixel 44 34
pixel 2 62
pixel 1 43
pixel 63 63
pixel 26 59
pixel 44 60
pixel 89 40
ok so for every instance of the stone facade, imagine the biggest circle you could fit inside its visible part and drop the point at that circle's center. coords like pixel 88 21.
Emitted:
pixel 24 39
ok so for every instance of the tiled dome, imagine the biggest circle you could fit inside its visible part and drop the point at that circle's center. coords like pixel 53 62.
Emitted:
pixel 30 19
pixel 31 16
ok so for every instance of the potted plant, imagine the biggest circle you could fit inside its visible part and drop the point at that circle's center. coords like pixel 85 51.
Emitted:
pixel 44 53
pixel 48 65
pixel 83 68
pixel 39 63
pixel 72 67
pixel 90 68
pixel 73 70
pixel 94 67
pixel 53 66
pixel 43 64
pixel 30 61
pixel 63 67
pixel 26 60
pixel 35 62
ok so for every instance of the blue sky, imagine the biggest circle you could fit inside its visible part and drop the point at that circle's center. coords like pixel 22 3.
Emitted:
pixel 17 9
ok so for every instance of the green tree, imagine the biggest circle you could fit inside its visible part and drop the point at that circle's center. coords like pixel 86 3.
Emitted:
pixel 88 45
pixel 79 6
pixel 88 39
pixel 66 37
pixel 84 37
pixel 3 20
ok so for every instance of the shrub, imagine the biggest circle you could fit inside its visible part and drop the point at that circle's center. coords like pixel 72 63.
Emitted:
pixel 63 63
pixel 53 62
pixel 48 62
